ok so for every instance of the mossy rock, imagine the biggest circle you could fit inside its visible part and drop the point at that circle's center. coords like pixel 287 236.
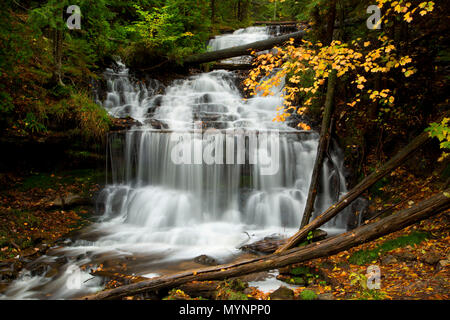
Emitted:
pixel 308 295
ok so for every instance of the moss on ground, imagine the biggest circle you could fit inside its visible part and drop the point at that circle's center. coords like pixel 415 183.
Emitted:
pixel 367 256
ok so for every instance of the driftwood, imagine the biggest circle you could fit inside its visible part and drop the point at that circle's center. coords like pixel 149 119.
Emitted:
pixel 329 246
pixel 243 49
pixel 366 183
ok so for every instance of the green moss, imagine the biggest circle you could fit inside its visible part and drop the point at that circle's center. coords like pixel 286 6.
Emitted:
pixel 81 116
pixel 233 295
pixel 297 281
pixel 308 295
pixel 302 270
pixel 362 257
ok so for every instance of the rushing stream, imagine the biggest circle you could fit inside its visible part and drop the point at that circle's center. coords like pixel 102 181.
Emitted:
pixel 177 190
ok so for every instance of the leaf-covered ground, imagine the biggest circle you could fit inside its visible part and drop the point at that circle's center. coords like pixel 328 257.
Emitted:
pixel 27 215
pixel 414 262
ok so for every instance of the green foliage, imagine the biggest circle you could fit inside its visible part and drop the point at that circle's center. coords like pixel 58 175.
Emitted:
pixel 79 112
pixel 53 181
pixel 302 270
pixel 441 131
pixel 32 124
pixel 174 30
pixel 363 257
pixel 308 295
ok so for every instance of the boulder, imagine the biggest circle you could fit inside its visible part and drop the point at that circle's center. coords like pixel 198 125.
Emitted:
pixel 205 260
pixel 70 200
pixel 431 258
pixel 406 256
pixel 282 293
pixel 388 259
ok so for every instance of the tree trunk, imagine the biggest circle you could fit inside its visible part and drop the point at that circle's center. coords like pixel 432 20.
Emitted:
pixel 243 49
pixel 325 129
pixel 330 246
pixel 322 148
pixel 231 66
pixel 213 12
pixel 57 39
pixel 379 173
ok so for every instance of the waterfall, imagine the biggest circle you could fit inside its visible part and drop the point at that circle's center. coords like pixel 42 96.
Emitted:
pixel 238 37
pixel 205 171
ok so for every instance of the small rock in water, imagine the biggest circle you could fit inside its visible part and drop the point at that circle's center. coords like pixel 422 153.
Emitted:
pixel 282 293
pixel 206 260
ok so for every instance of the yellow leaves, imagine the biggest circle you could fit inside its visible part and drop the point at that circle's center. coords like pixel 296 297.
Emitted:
pixel 367 43
pixel 304 126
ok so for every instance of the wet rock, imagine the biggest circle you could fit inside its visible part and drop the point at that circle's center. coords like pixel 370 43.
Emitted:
pixel 206 260
pixel 431 258
pixel 359 213
pixel 282 293
pixel 8 275
pixel 51 273
pixel 388 259
pixel 71 200
pixel 37 269
pixel 156 124
pixel 271 243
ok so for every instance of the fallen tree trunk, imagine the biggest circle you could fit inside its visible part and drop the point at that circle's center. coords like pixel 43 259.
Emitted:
pixel 330 246
pixel 366 183
pixel 243 50
pixel 231 66
pixel 204 289
pixel 276 23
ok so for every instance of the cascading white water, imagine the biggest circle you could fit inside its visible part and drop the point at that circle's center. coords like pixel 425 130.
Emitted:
pixel 125 97
pixel 238 37
pixel 157 211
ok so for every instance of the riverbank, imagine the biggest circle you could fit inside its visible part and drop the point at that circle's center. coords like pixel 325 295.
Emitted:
pixel 39 209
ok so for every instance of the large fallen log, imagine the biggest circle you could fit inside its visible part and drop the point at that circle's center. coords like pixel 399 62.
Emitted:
pixel 242 50
pixel 277 23
pixel 329 246
pixel 231 66
pixel 366 183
